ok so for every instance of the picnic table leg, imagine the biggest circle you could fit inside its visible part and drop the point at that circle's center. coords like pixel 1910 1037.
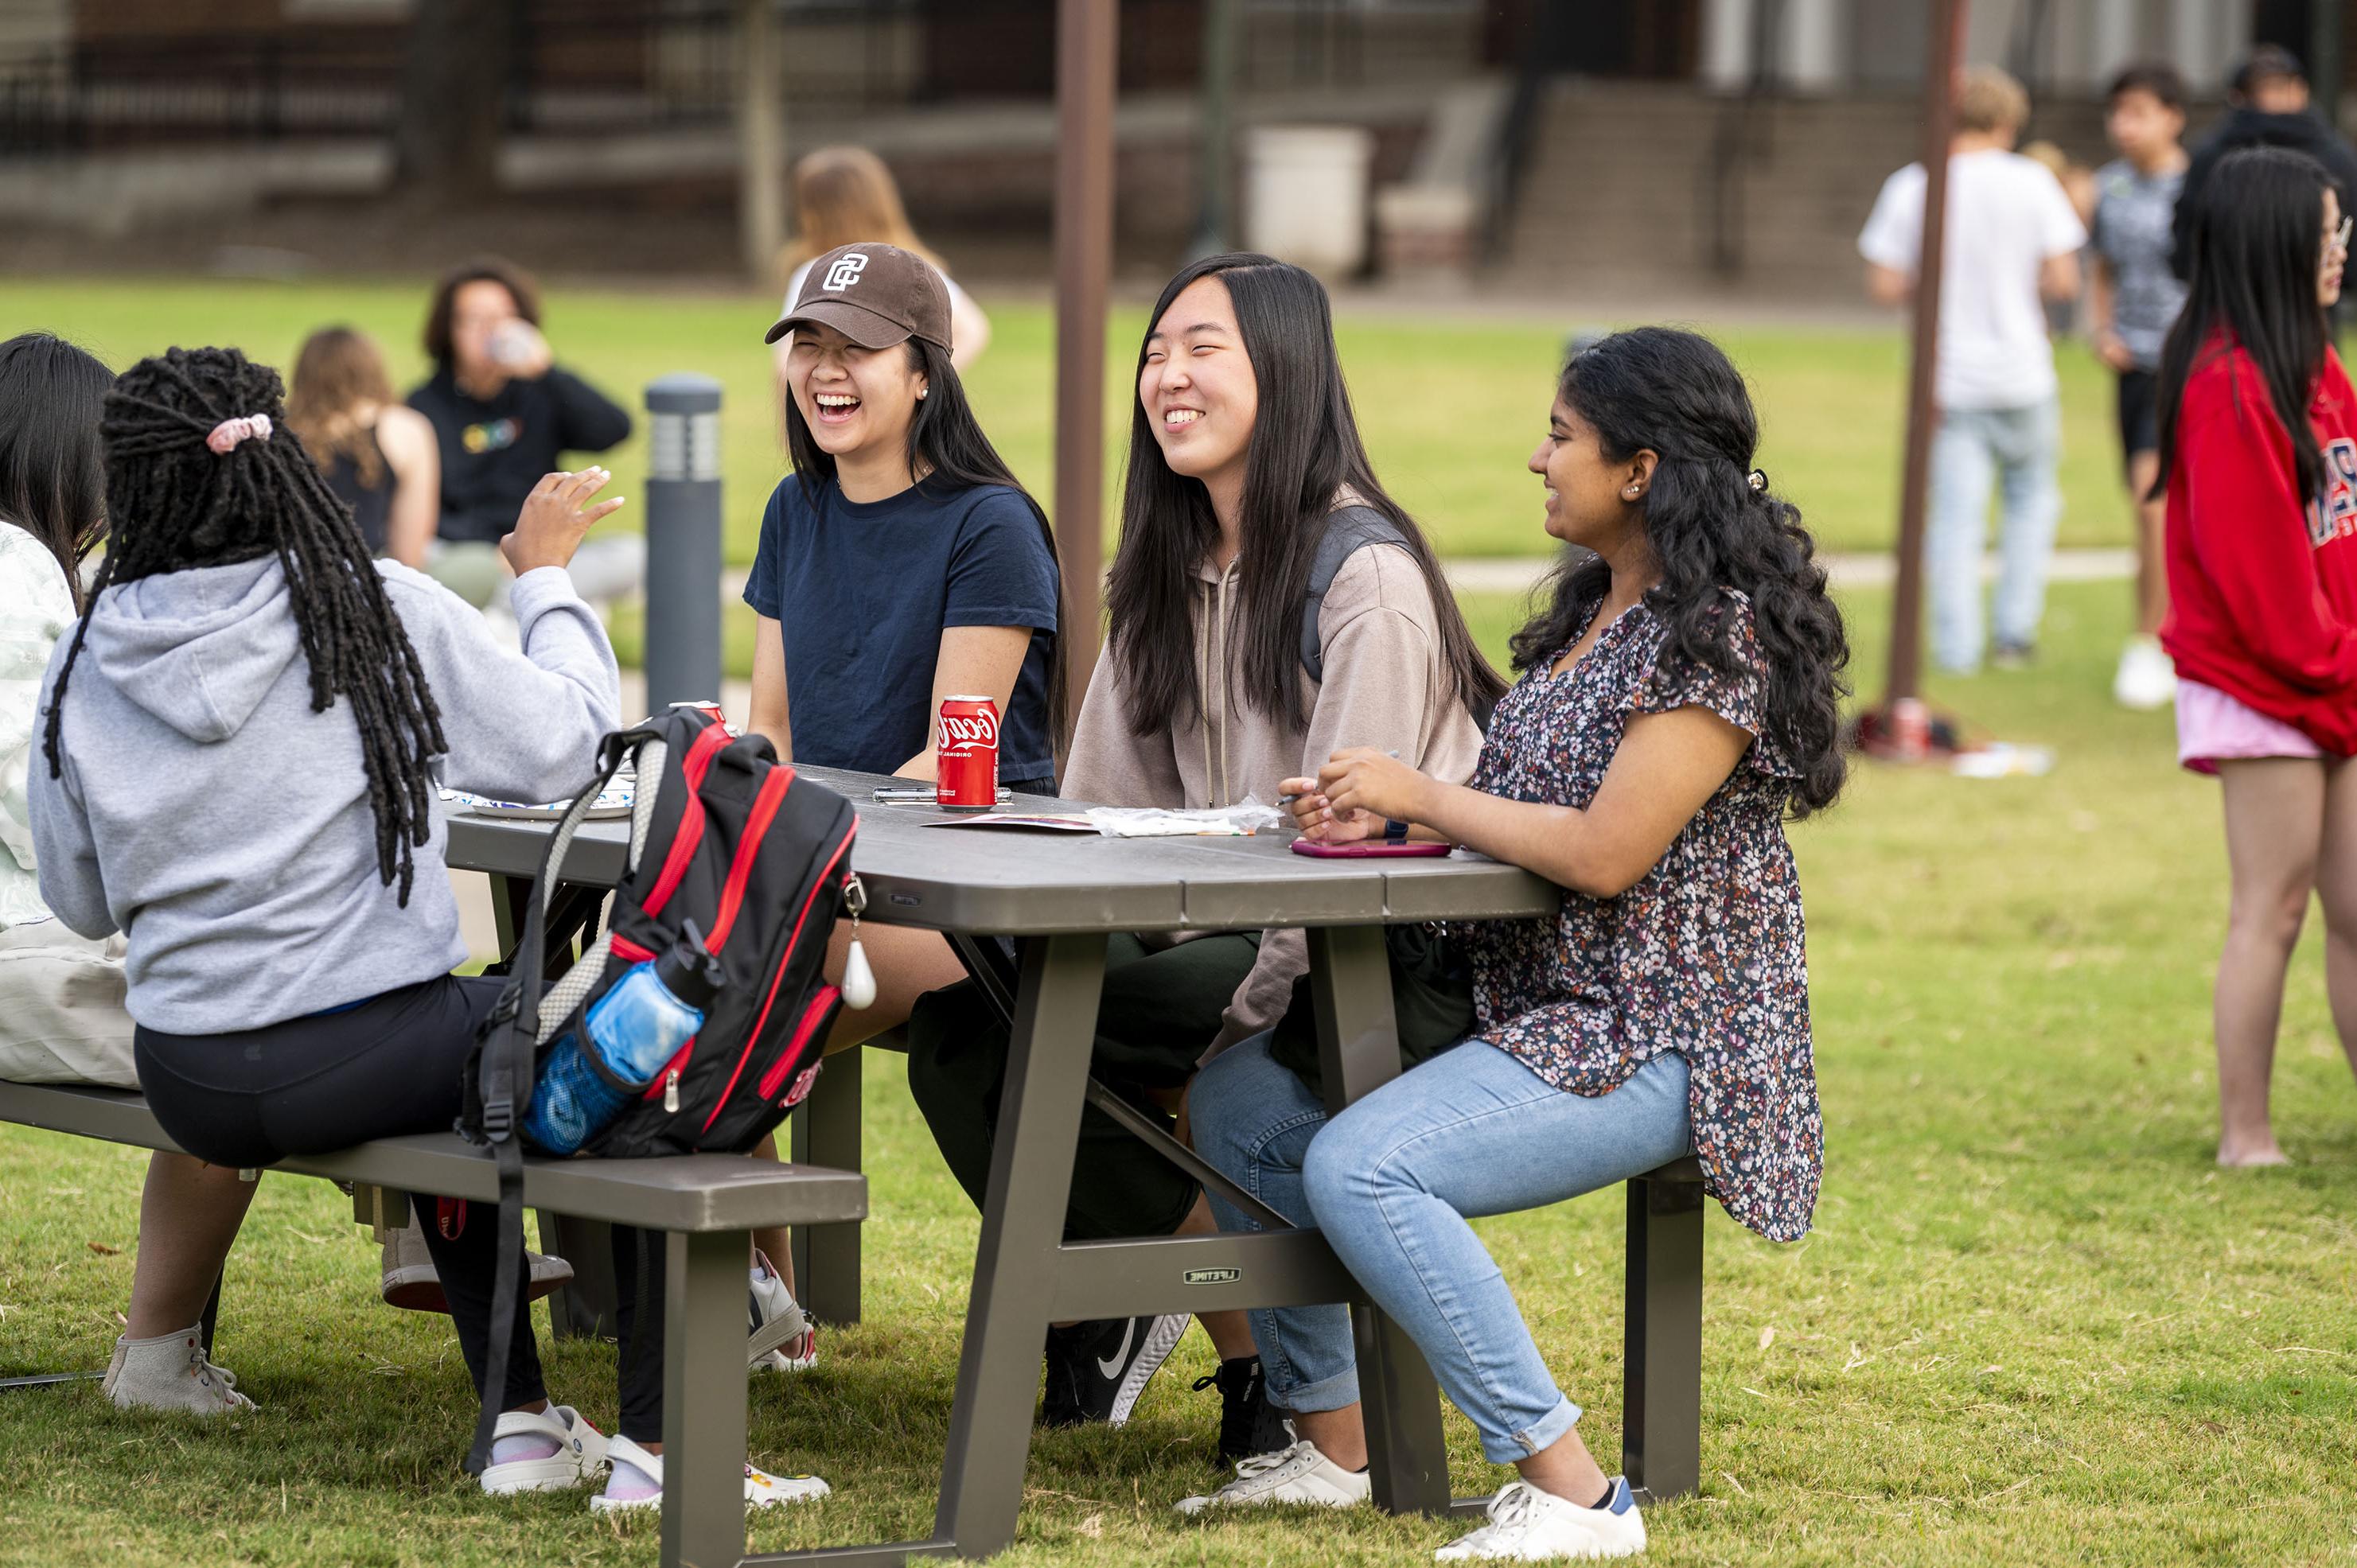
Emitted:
pixel 1358 1051
pixel 826 1133
pixel 703 1399
pixel 1022 1229
pixel 1661 1421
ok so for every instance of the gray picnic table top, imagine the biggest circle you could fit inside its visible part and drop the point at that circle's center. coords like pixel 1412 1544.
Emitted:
pixel 1013 882
pixel 1068 892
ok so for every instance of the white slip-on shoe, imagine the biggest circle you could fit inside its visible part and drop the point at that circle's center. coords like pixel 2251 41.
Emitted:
pixel 171 1372
pixel 1296 1475
pixel 578 1456
pixel 781 1337
pixel 412 1282
pixel 1528 1525
pixel 763 1489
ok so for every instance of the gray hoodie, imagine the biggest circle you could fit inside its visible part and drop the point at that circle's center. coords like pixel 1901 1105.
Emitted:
pixel 207 812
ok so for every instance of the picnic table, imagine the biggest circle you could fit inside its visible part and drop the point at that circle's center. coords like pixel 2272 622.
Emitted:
pixel 1062 895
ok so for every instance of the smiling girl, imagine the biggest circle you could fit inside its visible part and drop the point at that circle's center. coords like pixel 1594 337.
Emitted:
pixel 1244 459
pixel 900 562
pixel 1677 703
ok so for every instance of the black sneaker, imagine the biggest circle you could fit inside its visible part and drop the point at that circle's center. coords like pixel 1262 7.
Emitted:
pixel 1249 1424
pixel 1097 1370
pixel 2012 655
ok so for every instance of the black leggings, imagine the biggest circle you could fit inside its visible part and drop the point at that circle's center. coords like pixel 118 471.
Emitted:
pixel 392 1065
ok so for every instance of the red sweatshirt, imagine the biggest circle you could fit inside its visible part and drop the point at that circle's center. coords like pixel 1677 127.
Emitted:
pixel 2263 581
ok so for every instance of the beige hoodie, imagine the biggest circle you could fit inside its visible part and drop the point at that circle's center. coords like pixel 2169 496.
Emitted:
pixel 1386 686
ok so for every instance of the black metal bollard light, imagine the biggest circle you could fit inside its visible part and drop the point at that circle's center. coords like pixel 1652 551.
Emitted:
pixel 683 636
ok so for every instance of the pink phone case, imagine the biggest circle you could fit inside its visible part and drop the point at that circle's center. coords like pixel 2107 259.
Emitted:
pixel 1367 849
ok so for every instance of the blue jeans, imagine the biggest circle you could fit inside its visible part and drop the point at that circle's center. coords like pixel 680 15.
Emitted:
pixel 1391 1182
pixel 2017 449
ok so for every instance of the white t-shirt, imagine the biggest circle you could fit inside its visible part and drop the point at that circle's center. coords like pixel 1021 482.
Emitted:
pixel 2006 215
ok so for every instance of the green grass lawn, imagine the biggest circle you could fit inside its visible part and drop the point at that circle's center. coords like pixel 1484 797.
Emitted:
pixel 2035 1324
pixel 1450 410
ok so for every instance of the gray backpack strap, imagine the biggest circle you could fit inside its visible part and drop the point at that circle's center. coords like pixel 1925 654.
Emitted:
pixel 1348 531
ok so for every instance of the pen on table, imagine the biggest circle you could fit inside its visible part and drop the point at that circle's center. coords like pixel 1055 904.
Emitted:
pixel 1288 800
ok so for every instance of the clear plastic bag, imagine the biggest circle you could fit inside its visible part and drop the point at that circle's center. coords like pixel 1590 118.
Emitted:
pixel 1246 816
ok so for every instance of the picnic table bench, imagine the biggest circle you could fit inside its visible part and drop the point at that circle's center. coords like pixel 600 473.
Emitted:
pixel 706 1206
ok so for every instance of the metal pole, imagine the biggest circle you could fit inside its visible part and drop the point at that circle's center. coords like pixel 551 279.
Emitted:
pixel 2324 65
pixel 1215 140
pixel 1946 46
pixel 1086 35
pixel 683 638
pixel 760 142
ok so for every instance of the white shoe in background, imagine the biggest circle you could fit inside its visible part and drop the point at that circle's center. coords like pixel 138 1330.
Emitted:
pixel 568 1450
pixel 781 1337
pixel 1528 1525
pixel 171 1372
pixel 1296 1475
pixel 2146 676
pixel 634 1469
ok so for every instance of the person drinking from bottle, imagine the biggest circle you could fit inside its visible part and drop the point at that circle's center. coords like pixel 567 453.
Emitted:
pixel 504 412
pixel 238 770
pixel 1678 703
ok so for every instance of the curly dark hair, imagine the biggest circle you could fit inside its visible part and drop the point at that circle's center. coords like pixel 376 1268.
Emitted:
pixel 173 504
pixel 1676 394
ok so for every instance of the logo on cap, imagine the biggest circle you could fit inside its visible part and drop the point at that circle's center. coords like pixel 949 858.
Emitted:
pixel 846 272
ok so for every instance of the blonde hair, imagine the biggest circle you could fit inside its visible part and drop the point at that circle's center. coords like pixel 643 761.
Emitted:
pixel 844 196
pixel 336 370
pixel 1988 99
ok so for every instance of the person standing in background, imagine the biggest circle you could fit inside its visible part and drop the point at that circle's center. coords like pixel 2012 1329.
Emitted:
pixel 2266 106
pixel 377 455
pixel 503 414
pixel 2012 244
pixel 2134 299
pixel 2258 439
pixel 846 196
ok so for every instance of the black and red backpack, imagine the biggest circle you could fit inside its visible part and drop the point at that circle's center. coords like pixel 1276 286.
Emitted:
pixel 723 835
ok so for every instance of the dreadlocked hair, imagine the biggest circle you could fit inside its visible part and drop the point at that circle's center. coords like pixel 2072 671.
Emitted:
pixel 175 504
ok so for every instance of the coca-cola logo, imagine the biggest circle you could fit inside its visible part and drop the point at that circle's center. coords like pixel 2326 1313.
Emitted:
pixel 963 732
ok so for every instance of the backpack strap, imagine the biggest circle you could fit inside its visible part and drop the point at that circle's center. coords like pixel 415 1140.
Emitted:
pixel 1348 531
pixel 508 1056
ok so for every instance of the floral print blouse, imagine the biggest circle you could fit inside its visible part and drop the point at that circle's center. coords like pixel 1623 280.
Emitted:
pixel 1705 956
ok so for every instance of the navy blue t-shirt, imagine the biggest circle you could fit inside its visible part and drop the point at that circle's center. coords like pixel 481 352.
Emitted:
pixel 861 592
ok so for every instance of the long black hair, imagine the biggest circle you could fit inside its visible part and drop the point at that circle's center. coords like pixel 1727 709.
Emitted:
pixel 946 445
pixel 175 504
pixel 1675 395
pixel 52 478
pixel 1304 453
pixel 2258 246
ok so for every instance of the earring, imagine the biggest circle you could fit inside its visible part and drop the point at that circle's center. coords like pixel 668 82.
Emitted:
pixel 921 393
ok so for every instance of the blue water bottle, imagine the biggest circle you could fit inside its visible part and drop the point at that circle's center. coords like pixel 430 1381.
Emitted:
pixel 634 1030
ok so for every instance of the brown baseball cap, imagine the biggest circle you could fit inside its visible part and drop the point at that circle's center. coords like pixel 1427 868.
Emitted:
pixel 875 295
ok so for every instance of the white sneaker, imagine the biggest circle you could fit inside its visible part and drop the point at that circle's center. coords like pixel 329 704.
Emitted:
pixel 781 1337
pixel 580 1452
pixel 763 1489
pixel 2146 676
pixel 1296 1475
pixel 1528 1525
pixel 412 1282
pixel 170 1372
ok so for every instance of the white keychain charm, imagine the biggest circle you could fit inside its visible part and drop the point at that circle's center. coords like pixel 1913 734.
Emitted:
pixel 858 980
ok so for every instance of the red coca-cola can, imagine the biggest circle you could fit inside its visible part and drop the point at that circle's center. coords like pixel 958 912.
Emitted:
pixel 965 754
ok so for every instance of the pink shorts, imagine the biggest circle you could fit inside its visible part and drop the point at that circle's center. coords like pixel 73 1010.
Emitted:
pixel 2213 727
